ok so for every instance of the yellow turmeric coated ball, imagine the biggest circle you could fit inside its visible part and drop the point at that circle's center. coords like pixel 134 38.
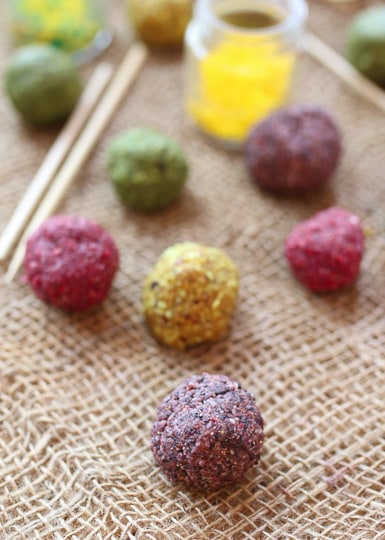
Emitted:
pixel 190 294
pixel 160 23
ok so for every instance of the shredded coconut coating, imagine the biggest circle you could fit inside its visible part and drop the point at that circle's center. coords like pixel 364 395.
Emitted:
pixel 190 294
pixel 208 432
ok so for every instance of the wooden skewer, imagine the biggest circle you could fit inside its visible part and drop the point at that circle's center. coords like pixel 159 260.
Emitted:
pixel 124 76
pixel 54 158
pixel 344 70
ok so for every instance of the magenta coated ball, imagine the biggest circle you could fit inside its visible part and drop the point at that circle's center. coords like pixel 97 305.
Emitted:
pixel 70 262
pixel 325 251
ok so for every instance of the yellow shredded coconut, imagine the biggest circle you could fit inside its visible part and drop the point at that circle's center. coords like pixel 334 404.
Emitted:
pixel 239 86
pixel 190 294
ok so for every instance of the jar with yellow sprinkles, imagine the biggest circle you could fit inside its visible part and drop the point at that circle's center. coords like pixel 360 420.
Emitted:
pixel 76 26
pixel 239 61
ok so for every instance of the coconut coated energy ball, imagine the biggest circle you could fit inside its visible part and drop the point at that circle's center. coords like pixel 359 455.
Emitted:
pixel 147 169
pixel 207 433
pixel 293 150
pixel 70 262
pixel 325 251
pixel 190 294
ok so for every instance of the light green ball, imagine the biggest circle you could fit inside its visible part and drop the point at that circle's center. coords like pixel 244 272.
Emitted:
pixel 43 84
pixel 365 43
pixel 147 169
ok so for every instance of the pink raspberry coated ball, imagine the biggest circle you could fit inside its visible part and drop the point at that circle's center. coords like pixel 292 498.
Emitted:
pixel 70 262
pixel 207 433
pixel 294 150
pixel 325 251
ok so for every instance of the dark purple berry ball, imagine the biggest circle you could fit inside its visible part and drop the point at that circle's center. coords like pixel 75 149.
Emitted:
pixel 208 432
pixel 294 150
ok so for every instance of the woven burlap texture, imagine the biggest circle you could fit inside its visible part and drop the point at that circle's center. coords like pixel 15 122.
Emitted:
pixel 79 392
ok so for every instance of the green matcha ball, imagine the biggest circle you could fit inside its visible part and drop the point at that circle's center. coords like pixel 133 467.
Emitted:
pixel 365 43
pixel 43 84
pixel 148 169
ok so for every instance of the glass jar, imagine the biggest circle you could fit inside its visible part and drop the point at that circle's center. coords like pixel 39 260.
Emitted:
pixel 239 60
pixel 76 26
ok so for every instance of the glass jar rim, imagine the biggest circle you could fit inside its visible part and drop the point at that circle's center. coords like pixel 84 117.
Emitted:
pixel 296 16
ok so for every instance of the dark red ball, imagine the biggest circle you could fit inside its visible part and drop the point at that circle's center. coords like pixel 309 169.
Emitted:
pixel 294 150
pixel 70 262
pixel 325 251
pixel 208 432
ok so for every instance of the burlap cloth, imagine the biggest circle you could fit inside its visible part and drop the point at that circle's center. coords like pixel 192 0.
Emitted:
pixel 79 392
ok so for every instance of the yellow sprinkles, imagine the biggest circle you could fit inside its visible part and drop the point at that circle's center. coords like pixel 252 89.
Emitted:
pixel 239 85
pixel 190 295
